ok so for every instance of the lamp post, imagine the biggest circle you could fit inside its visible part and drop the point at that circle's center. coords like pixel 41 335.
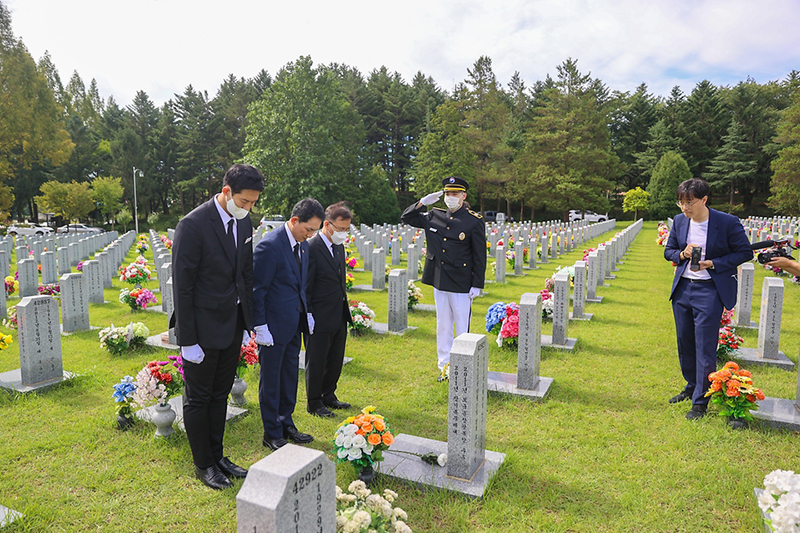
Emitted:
pixel 135 206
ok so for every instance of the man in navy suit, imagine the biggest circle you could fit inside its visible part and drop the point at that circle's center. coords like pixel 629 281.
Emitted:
pixel 699 296
pixel 280 312
pixel 212 272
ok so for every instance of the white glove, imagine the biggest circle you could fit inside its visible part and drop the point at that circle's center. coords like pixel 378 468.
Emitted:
pixel 246 338
pixel 193 353
pixel 311 323
pixel 432 198
pixel 474 292
pixel 263 336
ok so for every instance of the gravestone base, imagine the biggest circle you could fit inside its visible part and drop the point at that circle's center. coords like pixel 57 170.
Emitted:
pixel 8 516
pixel 12 380
pixel 751 325
pixel 752 355
pixel 604 284
pixel 425 307
pixel 585 317
pixel 503 383
pixel 159 342
pixel 302 365
pixel 382 328
pixel 609 277
pixel 547 340
pixel 68 333
pixel 615 270
pixel 365 288
pixel 412 469
pixel 595 300
pixel 154 308
pixel 530 268
pixel 778 413
pixel 176 402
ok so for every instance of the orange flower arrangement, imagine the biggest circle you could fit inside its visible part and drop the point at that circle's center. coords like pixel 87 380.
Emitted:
pixel 361 439
pixel 732 390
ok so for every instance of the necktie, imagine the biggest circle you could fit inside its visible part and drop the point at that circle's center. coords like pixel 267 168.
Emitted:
pixel 297 256
pixel 232 239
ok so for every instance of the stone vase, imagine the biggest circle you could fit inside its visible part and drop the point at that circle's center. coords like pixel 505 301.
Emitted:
pixel 163 417
pixel 737 423
pixel 237 392
pixel 367 475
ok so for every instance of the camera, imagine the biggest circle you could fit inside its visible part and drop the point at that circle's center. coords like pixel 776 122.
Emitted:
pixel 777 249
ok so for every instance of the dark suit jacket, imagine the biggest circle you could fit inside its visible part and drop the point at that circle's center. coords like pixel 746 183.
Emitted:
pixel 455 257
pixel 326 292
pixel 279 295
pixel 205 286
pixel 726 245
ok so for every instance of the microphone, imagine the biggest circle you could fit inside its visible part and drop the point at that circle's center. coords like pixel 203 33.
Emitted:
pixel 765 244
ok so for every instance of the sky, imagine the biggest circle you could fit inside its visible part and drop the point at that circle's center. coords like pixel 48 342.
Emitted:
pixel 162 46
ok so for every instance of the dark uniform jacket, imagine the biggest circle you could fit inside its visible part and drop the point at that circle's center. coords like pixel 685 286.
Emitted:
pixel 456 247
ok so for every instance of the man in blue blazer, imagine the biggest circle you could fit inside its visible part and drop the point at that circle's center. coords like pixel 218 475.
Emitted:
pixel 699 296
pixel 280 312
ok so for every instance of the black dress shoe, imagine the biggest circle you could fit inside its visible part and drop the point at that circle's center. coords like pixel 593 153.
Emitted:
pixel 274 444
pixel 324 412
pixel 697 411
pixel 212 477
pixel 336 404
pixel 231 470
pixel 295 436
pixel 683 395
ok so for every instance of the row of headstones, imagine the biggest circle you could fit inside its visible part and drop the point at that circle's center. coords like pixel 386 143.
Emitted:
pixel 39 330
pixel 557 234
pixel 163 263
pixel 554 245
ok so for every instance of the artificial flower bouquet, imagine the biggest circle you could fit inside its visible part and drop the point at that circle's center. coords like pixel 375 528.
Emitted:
pixel 141 244
pixel 663 234
pixel 5 341
pixel 248 356
pixel 123 397
pixel 351 262
pixel 12 285
pixel 361 511
pixel 117 340
pixel 503 320
pixel 414 295
pixel 11 318
pixel 780 500
pixel 348 281
pixel 167 241
pixel 136 272
pixel 136 334
pixel 50 289
pixel 137 299
pixel 363 317
pixel 361 439
pixel 155 384
pixel 733 392
pixel 547 303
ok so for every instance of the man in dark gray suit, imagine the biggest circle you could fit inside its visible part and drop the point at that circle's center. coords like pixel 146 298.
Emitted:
pixel 212 274
pixel 327 302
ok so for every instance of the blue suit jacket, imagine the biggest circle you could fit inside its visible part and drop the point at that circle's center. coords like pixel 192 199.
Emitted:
pixel 726 245
pixel 279 296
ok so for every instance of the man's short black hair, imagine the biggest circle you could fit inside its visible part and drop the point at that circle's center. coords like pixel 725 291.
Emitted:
pixel 308 208
pixel 338 210
pixel 241 177
pixel 693 188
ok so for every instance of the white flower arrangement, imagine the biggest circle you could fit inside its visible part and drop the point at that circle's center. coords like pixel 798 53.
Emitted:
pixel 363 316
pixel 780 500
pixel 148 390
pixel 362 511
pixel 353 446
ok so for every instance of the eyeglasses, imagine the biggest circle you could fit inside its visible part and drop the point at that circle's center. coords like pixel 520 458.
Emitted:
pixel 337 229
pixel 683 205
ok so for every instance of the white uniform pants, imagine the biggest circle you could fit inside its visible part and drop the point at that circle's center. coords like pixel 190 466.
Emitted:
pixel 452 310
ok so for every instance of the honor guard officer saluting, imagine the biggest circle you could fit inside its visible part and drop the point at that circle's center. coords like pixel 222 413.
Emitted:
pixel 455 260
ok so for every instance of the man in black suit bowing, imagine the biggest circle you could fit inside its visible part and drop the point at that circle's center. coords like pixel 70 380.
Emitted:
pixel 212 275
pixel 327 302
pixel 281 316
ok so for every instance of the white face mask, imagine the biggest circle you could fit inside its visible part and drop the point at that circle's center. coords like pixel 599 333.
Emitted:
pixel 338 237
pixel 236 212
pixel 452 202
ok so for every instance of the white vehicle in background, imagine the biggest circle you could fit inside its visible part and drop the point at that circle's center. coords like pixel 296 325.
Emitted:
pixel 28 228
pixel 591 216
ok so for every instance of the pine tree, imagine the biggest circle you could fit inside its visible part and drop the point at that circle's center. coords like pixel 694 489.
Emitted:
pixel 732 164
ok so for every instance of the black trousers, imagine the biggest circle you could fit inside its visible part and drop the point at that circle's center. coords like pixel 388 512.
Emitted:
pixel 205 398
pixel 324 359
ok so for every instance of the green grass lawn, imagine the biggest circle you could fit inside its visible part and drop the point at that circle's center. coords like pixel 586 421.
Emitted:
pixel 604 452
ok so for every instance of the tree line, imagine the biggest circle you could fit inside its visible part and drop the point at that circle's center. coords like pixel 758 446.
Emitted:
pixel 379 141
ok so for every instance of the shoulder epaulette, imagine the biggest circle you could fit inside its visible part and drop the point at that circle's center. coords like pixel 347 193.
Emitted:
pixel 474 213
